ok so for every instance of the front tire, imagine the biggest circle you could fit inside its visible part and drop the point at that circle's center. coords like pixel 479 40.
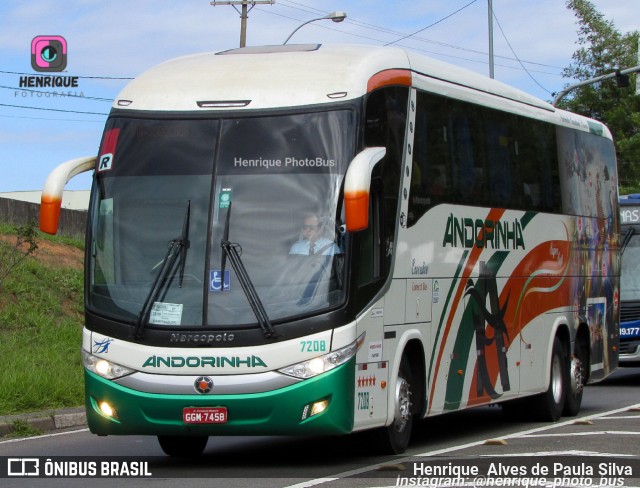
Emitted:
pixel 182 446
pixel 394 439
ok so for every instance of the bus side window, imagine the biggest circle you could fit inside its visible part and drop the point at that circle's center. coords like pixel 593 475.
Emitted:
pixel 430 175
pixel 465 160
pixel 369 241
pixel 384 125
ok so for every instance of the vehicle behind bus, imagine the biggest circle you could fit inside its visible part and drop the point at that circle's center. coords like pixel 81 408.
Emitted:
pixel 630 280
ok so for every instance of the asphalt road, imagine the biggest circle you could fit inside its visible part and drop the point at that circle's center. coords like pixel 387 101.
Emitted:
pixel 606 432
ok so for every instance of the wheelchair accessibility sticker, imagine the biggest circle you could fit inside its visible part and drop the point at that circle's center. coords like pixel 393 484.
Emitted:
pixel 216 283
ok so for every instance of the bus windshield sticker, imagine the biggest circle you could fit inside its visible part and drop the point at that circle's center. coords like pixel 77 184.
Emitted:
pixel 105 161
pixel 215 280
pixel 166 313
pixel 224 199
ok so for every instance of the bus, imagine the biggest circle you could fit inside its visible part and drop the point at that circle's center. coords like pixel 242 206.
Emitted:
pixel 473 251
pixel 630 280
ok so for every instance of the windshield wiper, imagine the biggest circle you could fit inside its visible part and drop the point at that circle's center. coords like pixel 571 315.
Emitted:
pixel 233 251
pixel 626 239
pixel 177 247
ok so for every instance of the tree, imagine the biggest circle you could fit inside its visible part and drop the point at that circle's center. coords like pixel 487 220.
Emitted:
pixel 603 50
pixel 12 256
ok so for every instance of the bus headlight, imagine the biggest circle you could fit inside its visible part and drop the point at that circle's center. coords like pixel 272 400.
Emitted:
pixel 104 368
pixel 322 364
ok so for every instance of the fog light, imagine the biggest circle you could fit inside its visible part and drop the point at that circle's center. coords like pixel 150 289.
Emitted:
pixel 107 410
pixel 315 408
pixel 319 407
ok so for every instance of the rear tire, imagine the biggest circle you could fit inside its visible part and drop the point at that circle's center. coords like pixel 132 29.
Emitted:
pixel 182 446
pixel 577 379
pixel 548 406
pixel 394 439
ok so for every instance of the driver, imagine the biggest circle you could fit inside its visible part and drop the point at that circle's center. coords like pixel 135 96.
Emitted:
pixel 312 241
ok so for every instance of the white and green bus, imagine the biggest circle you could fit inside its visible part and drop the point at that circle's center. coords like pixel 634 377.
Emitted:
pixel 471 256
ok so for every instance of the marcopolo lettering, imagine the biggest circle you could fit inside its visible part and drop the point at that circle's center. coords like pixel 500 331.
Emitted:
pixel 203 361
pixel 494 234
pixel 201 338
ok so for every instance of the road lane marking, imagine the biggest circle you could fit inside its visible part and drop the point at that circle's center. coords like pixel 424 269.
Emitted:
pixel 436 452
pixel 595 432
pixel 44 436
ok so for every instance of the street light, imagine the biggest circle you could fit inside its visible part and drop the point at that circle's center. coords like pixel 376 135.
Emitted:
pixel 621 77
pixel 338 16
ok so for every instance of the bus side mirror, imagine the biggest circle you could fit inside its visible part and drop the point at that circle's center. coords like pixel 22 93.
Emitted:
pixel 51 199
pixel 357 183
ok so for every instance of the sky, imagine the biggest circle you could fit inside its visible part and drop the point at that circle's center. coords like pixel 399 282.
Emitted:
pixel 110 42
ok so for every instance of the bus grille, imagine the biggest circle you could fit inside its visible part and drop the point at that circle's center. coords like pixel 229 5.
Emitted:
pixel 629 347
pixel 629 311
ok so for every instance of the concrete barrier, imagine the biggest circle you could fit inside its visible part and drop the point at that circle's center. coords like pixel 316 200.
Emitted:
pixel 73 223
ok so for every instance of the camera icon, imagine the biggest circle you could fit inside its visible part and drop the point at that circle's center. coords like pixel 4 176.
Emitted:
pixel 49 53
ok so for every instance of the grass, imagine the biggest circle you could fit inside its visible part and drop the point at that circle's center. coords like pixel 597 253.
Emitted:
pixel 41 318
pixel 23 429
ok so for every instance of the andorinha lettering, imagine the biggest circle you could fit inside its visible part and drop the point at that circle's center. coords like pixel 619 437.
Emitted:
pixel 202 361
pixel 48 82
pixel 286 163
pixel 494 234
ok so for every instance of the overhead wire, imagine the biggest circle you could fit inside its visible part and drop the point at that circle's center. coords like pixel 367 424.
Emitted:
pixel 52 109
pixel 74 76
pixel 308 9
pixel 434 23
pixel 515 55
pixel 101 121
pixel 61 94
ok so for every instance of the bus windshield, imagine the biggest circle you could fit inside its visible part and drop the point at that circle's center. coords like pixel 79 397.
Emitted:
pixel 270 185
pixel 630 276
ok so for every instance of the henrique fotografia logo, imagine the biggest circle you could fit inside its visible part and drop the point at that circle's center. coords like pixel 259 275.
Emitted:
pixel 49 53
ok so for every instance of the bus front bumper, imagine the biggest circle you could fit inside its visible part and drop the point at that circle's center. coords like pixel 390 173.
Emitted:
pixel 285 411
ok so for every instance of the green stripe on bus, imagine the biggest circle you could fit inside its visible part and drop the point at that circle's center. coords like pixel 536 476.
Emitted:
pixel 463 344
pixel 444 312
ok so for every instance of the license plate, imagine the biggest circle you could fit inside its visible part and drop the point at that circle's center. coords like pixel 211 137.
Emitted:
pixel 629 332
pixel 204 415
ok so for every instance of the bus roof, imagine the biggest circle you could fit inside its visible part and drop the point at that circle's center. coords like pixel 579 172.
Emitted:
pixel 632 199
pixel 308 74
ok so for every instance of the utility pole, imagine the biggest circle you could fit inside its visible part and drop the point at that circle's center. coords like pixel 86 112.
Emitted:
pixel 638 77
pixel 491 68
pixel 243 13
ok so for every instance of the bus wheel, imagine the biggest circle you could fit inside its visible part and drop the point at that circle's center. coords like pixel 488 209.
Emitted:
pixel 395 437
pixel 576 382
pixel 182 446
pixel 548 406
